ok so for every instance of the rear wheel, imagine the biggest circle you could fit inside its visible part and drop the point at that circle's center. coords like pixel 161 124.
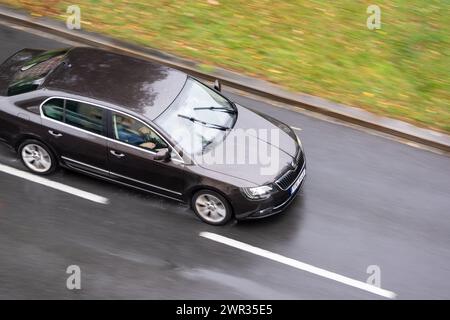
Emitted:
pixel 211 207
pixel 37 157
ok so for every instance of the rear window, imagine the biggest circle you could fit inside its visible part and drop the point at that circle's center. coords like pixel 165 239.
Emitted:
pixel 54 109
pixel 84 116
pixel 77 114
pixel 32 74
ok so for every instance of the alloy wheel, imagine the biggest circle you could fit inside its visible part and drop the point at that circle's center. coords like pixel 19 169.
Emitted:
pixel 211 208
pixel 36 158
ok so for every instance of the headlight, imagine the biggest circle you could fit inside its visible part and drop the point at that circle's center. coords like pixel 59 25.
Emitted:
pixel 256 193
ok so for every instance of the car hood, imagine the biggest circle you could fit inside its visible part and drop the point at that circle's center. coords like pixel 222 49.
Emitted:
pixel 256 150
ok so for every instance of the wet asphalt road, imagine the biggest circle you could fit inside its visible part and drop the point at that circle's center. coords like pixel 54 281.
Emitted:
pixel 367 200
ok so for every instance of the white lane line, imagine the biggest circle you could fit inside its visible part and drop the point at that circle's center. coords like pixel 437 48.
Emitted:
pixel 299 265
pixel 296 128
pixel 53 184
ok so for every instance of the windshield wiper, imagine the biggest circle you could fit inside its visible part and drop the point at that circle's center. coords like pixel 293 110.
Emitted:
pixel 222 109
pixel 206 124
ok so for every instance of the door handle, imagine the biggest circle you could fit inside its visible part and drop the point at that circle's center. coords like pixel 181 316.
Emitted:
pixel 55 134
pixel 117 154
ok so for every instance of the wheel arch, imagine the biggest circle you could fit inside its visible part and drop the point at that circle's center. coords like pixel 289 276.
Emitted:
pixel 29 136
pixel 190 194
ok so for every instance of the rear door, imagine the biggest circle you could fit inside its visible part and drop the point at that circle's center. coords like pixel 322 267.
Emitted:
pixel 77 130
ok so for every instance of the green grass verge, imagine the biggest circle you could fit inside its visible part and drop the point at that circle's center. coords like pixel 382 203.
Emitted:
pixel 318 47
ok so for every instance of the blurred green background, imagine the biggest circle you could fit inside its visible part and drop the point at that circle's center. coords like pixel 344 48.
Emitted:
pixel 318 47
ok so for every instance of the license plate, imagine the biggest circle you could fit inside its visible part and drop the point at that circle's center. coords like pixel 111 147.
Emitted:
pixel 297 183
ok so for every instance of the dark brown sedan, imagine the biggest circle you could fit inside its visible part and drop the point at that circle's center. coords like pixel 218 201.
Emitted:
pixel 147 126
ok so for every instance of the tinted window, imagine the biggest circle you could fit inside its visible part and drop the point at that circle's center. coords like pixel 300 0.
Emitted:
pixel 32 74
pixel 85 116
pixel 136 133
pixel 54 109
pixel 23 86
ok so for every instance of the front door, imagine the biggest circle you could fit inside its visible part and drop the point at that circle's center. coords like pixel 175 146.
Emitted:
pixel 131 154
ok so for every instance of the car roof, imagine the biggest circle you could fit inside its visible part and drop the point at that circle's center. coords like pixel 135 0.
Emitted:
pixel 144 87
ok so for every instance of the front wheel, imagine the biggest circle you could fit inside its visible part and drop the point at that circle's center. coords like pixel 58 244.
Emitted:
pixel 211 207
pixel 37 157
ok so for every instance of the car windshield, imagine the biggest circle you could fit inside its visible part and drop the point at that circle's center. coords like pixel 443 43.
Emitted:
pixel 198 119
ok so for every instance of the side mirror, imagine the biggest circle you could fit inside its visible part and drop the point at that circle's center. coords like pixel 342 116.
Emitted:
pixel 217 85
pixel 162 154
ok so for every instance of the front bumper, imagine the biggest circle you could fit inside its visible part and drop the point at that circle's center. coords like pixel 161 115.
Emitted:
pixel 277 203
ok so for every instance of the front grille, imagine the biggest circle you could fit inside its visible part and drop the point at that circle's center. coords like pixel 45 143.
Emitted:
pixel 288 178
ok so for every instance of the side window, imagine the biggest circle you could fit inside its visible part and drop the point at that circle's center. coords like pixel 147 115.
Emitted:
pixel 136 133
pixel 85 116
pixel 54 109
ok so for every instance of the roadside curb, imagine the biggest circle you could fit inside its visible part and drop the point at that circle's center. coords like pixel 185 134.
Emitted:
pixel 234 80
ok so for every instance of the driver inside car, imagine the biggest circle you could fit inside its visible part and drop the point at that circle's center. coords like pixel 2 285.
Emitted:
pixel 133 132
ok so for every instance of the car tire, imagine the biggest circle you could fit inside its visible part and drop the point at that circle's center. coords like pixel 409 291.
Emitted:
pixel 37 157
pixel 211 207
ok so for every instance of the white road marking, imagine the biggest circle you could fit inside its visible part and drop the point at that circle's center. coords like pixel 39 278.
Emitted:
pixel 296 128
pixel 299 265
pixel 53 184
